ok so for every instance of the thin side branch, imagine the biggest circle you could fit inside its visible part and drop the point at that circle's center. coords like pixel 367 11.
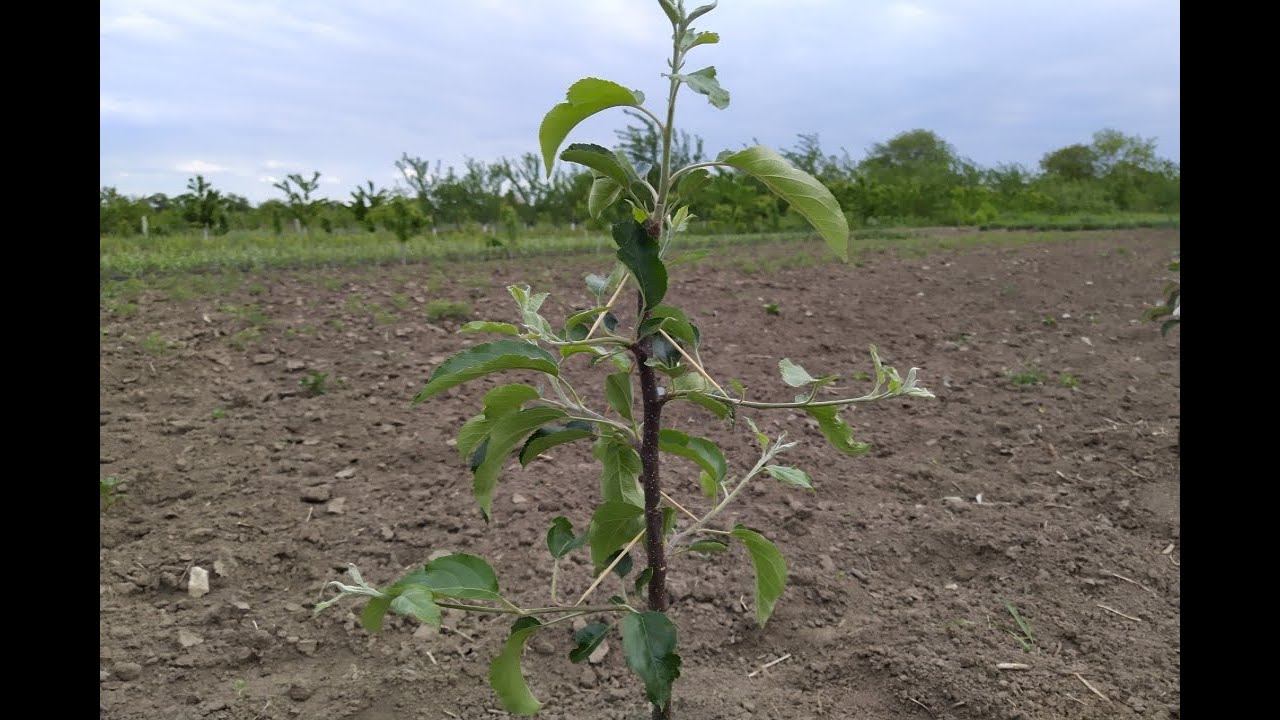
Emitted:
pixel 600 578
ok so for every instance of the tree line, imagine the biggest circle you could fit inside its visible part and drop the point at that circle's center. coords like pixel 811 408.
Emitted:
pixel 915 178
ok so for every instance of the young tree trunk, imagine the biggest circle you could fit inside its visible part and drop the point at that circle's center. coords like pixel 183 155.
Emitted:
pixel 655 547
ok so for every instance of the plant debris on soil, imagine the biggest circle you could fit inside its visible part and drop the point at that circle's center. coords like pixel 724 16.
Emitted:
pixel 1006 551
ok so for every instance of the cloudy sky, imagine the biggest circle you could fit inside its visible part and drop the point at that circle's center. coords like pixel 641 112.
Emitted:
pixel 246 92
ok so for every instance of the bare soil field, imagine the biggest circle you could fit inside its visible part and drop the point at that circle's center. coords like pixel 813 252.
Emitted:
pixel 1042 483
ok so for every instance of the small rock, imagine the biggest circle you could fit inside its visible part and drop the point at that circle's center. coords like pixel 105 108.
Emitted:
pixel 826 563
pixel 519 499
pixel 747 704
pixel 240 605
pixel 129 671
pixel 103 675
pixel 597 656
pixel 198 582
pixel 345 473
pixel 317 494
pixel 299 692
pixel 588 678
pixel 187 639
pixel 220 568
pixel 438 554
pixel 308 646
pixel 294 365
pixel 578 624
pixel 337 506
pixel 263 358
pixel 387 533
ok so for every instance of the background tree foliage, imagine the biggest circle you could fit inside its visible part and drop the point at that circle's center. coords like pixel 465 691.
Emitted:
pixel 913 178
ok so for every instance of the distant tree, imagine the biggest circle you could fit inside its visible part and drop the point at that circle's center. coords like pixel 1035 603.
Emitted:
pixel 642 144
pixel 201 205
pixel 297 190
pixel 402 216
pixel 421 180
pixel 913 175
pixel 1073 162
pixel 363 200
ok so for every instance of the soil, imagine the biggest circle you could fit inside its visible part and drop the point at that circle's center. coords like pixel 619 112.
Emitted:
pixel 1058 503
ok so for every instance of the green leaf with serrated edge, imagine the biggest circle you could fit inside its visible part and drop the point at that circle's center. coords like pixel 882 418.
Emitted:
pixel 649 645
pixel 700 11
pixel 790 476
pixel 560 538
pixel 836 431
pixel 672 14
pixel 612 526
pixel 587 640
pixel 704 82
pixel 457 576
pixel 418 602
pixel 643 579
pixel 692 40
pixel 585 318
pixel 603 194
pixel 771 570
pixel 708 401
pixel 805 194
pixel 617 391
pixel 620 471
pixel 738 387
pixel 598 158
pixel 487 326
pixel 676 324
pixel 624 565
pixel 664 352
pixel 625 161
pixel 374 611
pixel 584 99
pixel 793 374
pixel 691 383
pixel 693 181
pixel 506 399
pixel 639 253
pixel 701 451
pixel 505 435
pixel 709 546
pixel 668 521
pixel 487 358
pixel 505 676
pixel 472 433
pixel 550 436
pixel 710 488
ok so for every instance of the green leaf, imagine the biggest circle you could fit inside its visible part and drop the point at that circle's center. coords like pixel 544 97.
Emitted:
pixel 604 193
pixel 487 358
pixel 672 14
pixel 458 576
pixel 506 399
pixel 639 253
pixel 649 645
pixel 598 158
pixel 548 437
pixel 709 546
pixel 613 525
pixel 624 565
pixel 806 195
pixel 709 402
pixel 617 390
pixel 506 433
pixel 643 579
pixel 700 11
pixel 837 432
pixel 620 471
pixel 790 476
pixel 771 570
pixel 692 181
pixel 560 539
pixel 796 376
pixel 584 99
pixel 710 488
pixel 374 611
pixel 587 640
pixel 704 82
pixel 598 285
pixel 419 602
pixel 676 324
pixel 505 676
pixel 486 326
pixel 692 40
pixel 668 521
pixel 472 433
pixel 700 450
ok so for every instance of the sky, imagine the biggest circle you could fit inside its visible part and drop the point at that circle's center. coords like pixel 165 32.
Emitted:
pixel 246 92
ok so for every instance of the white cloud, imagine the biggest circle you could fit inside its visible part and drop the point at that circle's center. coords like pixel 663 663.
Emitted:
pixel 200 166
pixel 137 24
